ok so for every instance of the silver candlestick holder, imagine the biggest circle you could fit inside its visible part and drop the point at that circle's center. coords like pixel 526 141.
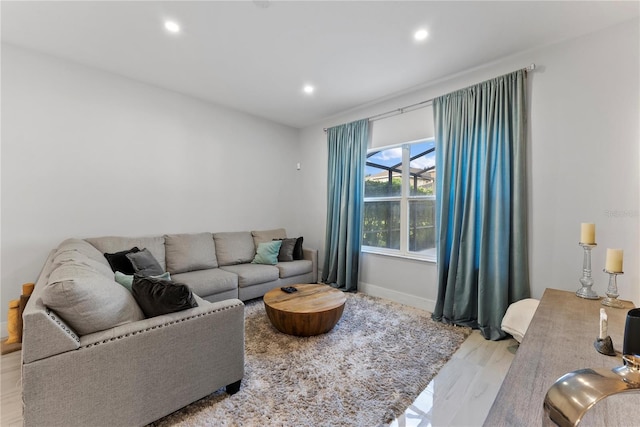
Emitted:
pixel 612 290
pixel 587 282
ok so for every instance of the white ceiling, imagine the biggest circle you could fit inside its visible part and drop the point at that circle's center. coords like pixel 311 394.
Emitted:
pixel 255 56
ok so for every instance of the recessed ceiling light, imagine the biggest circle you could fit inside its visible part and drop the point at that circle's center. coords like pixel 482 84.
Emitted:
pixel 420 35
pixel 262 3
pixel 308 89
pixel 172 26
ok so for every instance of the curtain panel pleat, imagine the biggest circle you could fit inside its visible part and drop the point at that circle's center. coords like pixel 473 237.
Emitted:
pixel 347 146
pixel 481 203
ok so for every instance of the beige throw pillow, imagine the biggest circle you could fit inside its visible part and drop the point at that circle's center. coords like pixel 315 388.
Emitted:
pixel 87 300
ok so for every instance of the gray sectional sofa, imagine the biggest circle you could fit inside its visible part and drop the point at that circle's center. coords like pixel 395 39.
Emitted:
pixel 89 355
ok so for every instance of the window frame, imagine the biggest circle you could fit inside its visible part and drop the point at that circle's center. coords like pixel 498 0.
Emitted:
pixel 405 199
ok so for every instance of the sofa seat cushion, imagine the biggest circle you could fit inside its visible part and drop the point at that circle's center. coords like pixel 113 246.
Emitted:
pixel 111 244
pixel 189 252
pixel 208 282
pixel 87 300
pixel 253 274
pixel 294 268
pixel 234 247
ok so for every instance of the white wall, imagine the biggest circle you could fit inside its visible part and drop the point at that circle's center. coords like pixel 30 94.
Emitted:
pixel 88 153
pixel 583 165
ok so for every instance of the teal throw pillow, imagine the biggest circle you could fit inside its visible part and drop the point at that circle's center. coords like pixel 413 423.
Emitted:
pixel 126 280
pixel 267 253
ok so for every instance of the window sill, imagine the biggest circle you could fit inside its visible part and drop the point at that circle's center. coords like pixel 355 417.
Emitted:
pixel 430 258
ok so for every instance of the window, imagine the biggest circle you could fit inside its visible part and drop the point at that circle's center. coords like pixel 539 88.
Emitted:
pixel 399 200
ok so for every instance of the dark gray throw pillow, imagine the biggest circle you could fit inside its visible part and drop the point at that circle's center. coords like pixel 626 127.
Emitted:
pixel 119 261
pixel 157 296
pixel 144 263
pixel 297 250
pixel 286 250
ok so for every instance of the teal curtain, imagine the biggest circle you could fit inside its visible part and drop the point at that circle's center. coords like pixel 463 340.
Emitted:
pixel 481 206
pixel 345 194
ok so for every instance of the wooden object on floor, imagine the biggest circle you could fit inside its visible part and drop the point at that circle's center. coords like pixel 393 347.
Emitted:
pixel 9 348
pixel 23 303
pixel 313 310
pixel 560 340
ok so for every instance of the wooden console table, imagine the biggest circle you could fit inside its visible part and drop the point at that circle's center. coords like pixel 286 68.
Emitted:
pixel 560 340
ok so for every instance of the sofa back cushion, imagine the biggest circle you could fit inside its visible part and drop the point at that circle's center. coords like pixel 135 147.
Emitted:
pixel 64 257
pixel 112 244
pixel 87 300
pixel 190 252
pixel 264 236
pixel 83 247
pixel 234 247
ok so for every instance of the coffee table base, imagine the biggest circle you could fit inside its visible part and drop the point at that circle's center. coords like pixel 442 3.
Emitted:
pixel 304 324
pixel 313 310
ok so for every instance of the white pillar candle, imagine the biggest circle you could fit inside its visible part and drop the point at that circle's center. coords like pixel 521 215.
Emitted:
pixel 613 262
pixel 587 233
pixel 603 324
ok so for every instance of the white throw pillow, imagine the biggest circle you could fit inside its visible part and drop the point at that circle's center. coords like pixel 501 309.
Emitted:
pixel 518 316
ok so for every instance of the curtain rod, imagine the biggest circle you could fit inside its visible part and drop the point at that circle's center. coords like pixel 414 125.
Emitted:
pixel 417 105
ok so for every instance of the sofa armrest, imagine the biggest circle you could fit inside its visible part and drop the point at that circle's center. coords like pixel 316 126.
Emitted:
pixel 44 332
pixel 312 255
pixel 137 373
pixel 204 308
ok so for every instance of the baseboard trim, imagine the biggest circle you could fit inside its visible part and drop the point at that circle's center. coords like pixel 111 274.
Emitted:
pixel 400 297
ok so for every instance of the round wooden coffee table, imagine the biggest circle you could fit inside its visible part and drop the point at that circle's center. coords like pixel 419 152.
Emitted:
pixel 313 310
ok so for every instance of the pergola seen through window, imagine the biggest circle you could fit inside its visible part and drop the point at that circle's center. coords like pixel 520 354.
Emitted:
pixel 399 208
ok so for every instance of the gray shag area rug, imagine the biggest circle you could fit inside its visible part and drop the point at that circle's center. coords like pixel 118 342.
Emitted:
pixel 364 372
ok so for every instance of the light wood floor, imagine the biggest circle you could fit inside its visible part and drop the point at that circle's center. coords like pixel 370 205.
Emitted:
pixel 464 390
pixel 460 395
pixel 10 390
